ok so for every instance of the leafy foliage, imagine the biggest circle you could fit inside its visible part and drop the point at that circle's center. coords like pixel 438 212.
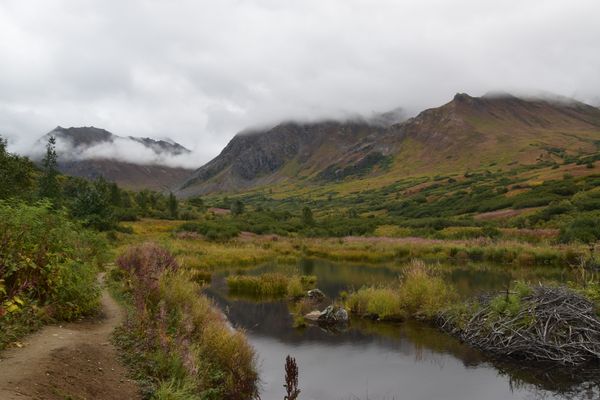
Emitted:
pixel 17 174
pixel 47 262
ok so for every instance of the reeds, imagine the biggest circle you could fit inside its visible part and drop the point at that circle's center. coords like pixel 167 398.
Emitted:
pixel 420 293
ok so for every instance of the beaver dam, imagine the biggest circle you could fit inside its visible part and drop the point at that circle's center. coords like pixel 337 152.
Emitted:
pixel 413 359
pixel 540 324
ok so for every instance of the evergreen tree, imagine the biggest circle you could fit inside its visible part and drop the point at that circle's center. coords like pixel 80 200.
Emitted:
pixel 115 195
pixel 48 185
pixel 237 208
pixel 141 198
pixel 307 216
pixel 172 203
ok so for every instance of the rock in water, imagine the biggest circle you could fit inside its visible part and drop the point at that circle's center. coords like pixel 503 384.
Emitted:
pixel 334 315
pixel 315 294
pixel 313 315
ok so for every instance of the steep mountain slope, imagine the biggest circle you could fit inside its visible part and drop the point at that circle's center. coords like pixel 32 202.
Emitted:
pixel 289 150
pixel 468 133
pixel 471 133
pixel 134 163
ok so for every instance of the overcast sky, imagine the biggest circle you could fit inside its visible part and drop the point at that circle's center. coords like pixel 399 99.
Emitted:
pixel 200 71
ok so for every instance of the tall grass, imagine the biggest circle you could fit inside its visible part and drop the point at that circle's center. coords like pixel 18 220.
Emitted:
pixel 186 345
pixel 420 293
pixel 270 285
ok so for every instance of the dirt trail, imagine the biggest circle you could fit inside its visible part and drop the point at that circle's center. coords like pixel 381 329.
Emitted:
pixel 73 361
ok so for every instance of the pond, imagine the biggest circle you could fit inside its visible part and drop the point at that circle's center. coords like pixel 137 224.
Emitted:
pixel 371 360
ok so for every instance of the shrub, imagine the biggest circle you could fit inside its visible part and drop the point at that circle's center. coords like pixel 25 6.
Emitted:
pixel 220 230
pixel 145 264
pixel 584 229
pixel 46 262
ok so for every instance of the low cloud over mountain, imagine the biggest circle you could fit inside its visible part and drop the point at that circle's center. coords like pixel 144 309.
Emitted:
pixel 90 143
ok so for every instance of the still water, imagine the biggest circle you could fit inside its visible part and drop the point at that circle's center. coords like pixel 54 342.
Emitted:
pixel 407 361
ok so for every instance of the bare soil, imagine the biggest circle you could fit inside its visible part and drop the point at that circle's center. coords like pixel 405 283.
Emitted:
pixel 72 361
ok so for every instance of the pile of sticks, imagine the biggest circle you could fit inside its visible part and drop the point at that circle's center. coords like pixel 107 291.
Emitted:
pixel 553 324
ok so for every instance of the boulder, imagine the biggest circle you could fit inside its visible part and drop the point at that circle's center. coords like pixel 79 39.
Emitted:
pixel 334 315
pixel 313 315
pixel 315 294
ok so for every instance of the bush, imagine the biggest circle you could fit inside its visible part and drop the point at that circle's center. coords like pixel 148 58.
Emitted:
pixel 213 230
pixel 584 229
pixel 46 262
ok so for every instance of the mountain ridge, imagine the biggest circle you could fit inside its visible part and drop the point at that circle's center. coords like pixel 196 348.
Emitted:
pixel 465 133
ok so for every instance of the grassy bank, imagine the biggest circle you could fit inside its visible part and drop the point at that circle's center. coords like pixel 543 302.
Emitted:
pixel 48 267
pixel 175 340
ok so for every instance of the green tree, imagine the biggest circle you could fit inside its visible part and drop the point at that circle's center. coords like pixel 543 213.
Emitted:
pixel 172 204
pixel 307 216
pixel 92 207
pixel 116 198
pixel 16 174
pixel 49 186
pixel 126 200
pixel 237 208
pixel 141 198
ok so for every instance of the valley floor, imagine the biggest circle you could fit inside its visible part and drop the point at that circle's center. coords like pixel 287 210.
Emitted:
pixel 72 361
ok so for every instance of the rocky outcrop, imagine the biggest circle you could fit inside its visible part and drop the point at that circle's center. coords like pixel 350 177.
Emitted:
pixel 260 157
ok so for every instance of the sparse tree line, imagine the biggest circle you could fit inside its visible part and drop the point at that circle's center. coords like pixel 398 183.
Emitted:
pixel 97 204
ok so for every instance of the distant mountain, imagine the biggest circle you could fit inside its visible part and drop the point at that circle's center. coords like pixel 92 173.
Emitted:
pixel 287 151
pixel 468 133
pixel 132 162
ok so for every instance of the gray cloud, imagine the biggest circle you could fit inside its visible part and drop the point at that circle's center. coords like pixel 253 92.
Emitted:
pixel 200 71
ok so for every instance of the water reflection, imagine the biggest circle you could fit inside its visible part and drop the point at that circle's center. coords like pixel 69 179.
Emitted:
pixel 389 361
